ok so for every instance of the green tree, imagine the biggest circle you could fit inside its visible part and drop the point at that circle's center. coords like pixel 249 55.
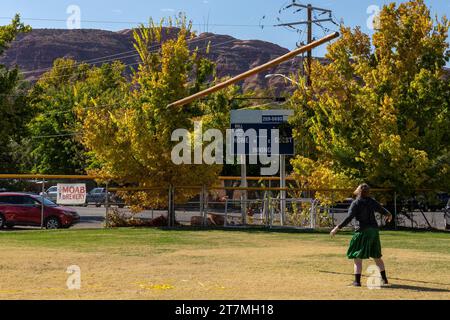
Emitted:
pixel 55 142
pixel 379 110
pixel 14 112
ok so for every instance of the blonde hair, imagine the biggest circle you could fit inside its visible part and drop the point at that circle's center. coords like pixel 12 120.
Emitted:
pixel 362 191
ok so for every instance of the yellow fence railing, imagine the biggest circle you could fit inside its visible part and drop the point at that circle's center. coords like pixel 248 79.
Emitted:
pixel 231 178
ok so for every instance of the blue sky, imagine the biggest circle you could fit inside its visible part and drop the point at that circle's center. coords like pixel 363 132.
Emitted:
pixel 238 18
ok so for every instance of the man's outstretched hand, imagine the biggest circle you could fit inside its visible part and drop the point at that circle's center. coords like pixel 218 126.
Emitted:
pixel 334 231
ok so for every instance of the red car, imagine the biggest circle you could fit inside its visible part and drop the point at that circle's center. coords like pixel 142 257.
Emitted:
pixel 21 209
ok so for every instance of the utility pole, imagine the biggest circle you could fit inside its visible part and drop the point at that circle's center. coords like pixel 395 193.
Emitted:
pixel 308 71
pixel 309 24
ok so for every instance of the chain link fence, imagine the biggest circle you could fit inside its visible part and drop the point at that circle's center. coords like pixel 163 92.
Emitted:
pixel 260 204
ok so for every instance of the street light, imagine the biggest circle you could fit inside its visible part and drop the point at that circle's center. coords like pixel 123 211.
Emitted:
pixel 273 75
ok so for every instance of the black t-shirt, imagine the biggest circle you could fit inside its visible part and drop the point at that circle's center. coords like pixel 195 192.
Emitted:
pixel 363 210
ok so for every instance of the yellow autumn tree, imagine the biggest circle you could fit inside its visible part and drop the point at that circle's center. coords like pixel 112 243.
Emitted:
pixel 130 136
pixel 379 111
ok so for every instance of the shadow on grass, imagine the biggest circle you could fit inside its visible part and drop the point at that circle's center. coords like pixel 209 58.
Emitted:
pixel 399 286
pixel 417 288
pixel 256 229
pixel 92 220
pixel 418 230
pixel 259 229
pixel 19 229
pixel 246 229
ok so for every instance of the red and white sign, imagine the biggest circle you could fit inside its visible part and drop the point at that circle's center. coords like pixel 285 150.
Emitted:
pixel 71 193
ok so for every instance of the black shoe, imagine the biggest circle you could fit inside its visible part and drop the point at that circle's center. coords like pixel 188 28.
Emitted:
pixel 354 284
pixel 385 283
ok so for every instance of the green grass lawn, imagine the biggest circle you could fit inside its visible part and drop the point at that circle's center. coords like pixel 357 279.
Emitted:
pixel 215 264
pixel 102 239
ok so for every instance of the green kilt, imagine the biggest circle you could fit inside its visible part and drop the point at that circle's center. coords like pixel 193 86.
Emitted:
pixel 365 244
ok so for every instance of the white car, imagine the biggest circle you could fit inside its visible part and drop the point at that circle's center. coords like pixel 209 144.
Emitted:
pixel 51 193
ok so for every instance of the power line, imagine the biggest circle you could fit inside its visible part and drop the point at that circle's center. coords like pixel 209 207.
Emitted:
pixel 311 10
pixel 58 135
pixel 115 104
pixel 295 4
pixel 84 108
pixel 69 134
pixel 242 59
pixel 83 61
pixel 134 22
pixel 98 60
pixel 132 64
pixel 126 65
pixel 291 24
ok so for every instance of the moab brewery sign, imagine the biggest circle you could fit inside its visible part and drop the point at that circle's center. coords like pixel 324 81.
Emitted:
pixel 74 194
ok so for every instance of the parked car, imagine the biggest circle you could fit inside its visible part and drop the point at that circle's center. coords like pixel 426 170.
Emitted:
pixel 97 196
pixel 51 193
pixel 21 209
pixel 341 207
pixel 442 200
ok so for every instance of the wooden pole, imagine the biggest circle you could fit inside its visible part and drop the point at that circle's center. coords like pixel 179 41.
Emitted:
pixel 254 71
pixel 308 72
pixel 42 203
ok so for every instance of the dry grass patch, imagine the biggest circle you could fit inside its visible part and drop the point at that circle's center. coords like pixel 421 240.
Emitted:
pixel 156 264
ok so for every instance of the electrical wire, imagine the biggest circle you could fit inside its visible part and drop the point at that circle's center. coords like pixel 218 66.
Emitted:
pixel 72 134
pixel 103 59
pixel 242 59
pixel 132 22
pixel 110 105
pixel 132 64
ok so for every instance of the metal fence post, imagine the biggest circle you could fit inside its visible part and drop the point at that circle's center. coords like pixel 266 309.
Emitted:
pixel 106 204
pixel 395 210
pixel 282 192
pixel 169 204
pixel 313 215
pixel 226 213
pixel 171 207
pixel 272 212
pixel 203 206
pixel 42 203
pixel 244 184
pixel 266 211
pixel 328 208
pixel 202 212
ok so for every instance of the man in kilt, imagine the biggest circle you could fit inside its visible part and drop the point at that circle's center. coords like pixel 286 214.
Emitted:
pixel 365 243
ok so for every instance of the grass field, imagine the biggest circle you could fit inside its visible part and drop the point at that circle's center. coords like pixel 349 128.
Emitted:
pixel 214 264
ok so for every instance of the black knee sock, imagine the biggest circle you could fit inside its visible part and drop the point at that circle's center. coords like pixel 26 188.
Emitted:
pixel 383 276
pixel 357 278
